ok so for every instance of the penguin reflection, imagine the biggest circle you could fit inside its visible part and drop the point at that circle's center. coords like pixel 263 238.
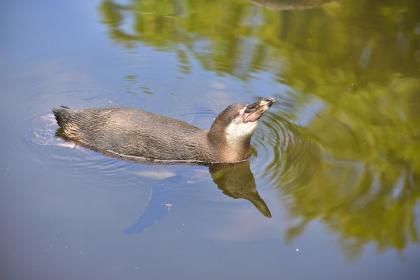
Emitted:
pixel 235 180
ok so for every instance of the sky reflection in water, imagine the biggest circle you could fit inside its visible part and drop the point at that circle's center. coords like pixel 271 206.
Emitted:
pixel 336 160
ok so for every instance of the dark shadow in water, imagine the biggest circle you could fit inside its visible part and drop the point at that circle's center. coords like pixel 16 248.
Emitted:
pixel 235 180
pixel 158 205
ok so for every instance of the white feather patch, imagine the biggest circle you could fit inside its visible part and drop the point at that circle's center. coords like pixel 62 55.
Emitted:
pixel 238 131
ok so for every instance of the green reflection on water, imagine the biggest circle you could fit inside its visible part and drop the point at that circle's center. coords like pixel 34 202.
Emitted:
pixel 360 59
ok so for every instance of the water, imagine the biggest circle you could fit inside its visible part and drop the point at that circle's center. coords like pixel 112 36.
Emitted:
pixel 336 162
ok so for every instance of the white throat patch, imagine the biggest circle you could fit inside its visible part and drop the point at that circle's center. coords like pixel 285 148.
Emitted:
pixel 237 131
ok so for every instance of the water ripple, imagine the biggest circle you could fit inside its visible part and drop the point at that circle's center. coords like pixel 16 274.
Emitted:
pixel 284 152
pixel 69 155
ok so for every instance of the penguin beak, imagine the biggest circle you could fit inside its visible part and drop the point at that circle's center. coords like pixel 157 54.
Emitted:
pixel 255 110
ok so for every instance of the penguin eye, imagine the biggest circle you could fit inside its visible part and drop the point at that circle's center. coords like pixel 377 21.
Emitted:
pixel 251 107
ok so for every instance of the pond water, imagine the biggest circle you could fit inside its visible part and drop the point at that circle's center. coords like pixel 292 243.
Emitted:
pixel 336 161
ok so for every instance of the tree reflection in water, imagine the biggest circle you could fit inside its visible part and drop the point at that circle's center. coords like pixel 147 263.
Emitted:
pixel 360 60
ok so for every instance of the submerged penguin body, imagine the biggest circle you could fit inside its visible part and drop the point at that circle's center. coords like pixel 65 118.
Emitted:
pixel 138 135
